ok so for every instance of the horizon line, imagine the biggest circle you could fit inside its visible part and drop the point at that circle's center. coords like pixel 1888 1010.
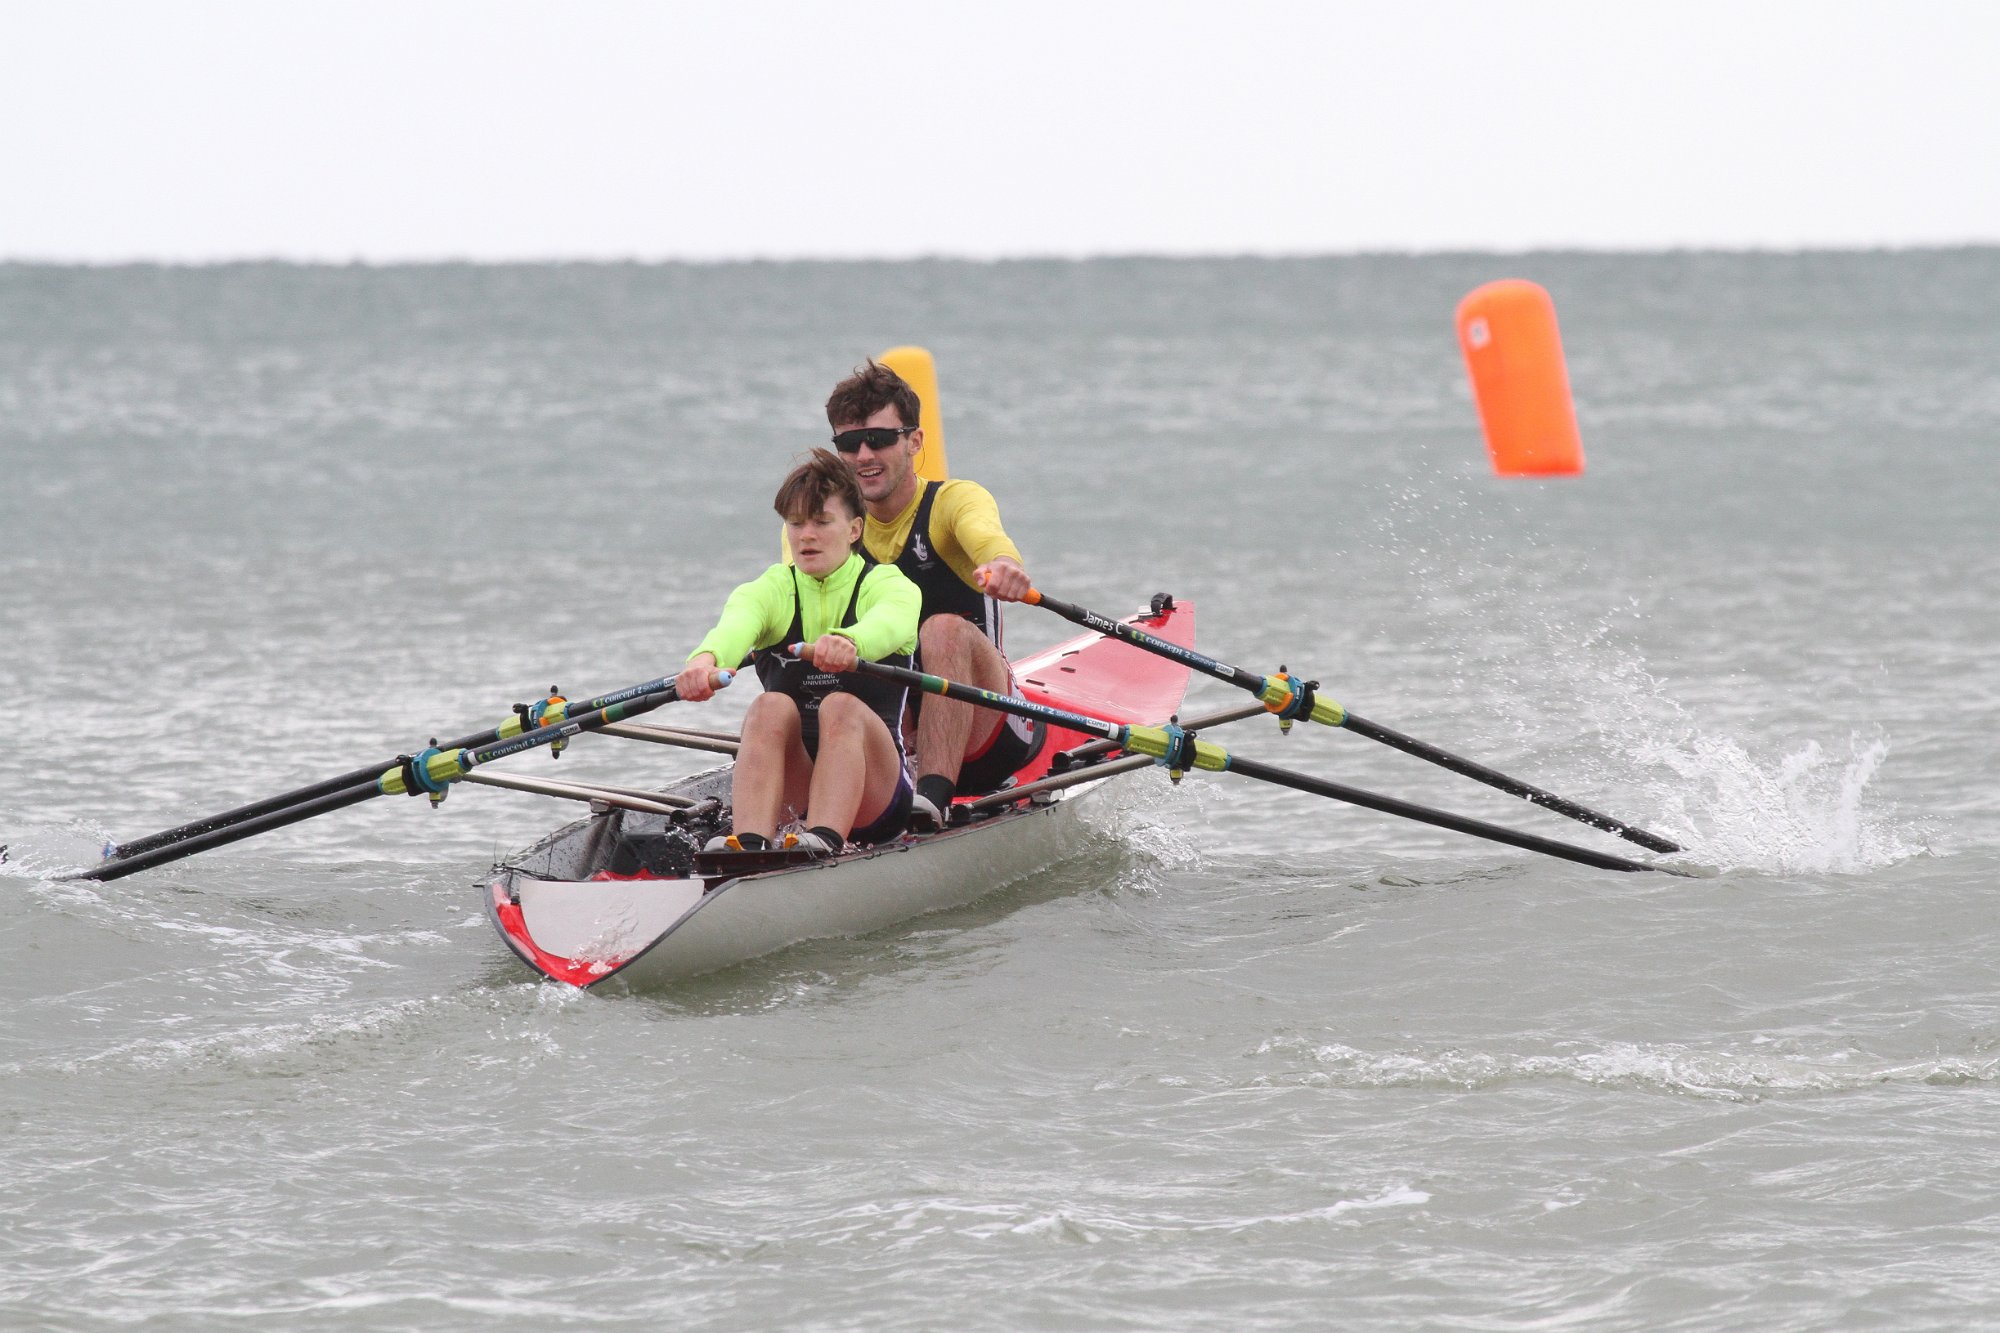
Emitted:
pixel 424 260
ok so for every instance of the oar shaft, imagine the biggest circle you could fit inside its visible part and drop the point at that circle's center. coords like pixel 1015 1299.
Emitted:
pixel 1005 703
pixel 1326 711
pixel 441 767
pixel 1424 814
pixel 1138 638
pixel 1583 814
pixel 444 764
pixel 243 813
pixel 285 801
pixel 354 794
pixel 1147 740
pixel 1092 749
pixel 629 706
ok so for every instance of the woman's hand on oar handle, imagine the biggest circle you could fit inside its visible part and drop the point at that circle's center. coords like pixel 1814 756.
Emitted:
pixel 829 652
pixel 700 679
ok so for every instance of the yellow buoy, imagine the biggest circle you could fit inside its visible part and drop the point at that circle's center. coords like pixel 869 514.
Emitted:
pixel 919 371
pixel 1513 351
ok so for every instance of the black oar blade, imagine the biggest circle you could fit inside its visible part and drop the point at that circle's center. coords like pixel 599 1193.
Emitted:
pixel 220 837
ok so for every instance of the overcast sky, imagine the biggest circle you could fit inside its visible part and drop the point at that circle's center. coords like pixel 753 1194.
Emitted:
pixel 206 129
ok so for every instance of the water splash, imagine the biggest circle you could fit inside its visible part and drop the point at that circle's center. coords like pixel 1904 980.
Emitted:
pixel 43 851
pixel 1792 806
pixel 1797 805
pixel 1548 666
pixel 1804 814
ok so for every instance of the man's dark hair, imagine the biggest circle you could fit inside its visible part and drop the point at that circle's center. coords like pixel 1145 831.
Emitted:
pixel 812 484
pixel 866 392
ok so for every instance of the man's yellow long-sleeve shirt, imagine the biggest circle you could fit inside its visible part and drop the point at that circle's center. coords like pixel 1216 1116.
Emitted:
pixel 965 529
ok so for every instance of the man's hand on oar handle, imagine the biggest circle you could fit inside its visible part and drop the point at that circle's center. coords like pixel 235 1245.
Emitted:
pixel 1002 577
pixel 829 652
pixel 700 679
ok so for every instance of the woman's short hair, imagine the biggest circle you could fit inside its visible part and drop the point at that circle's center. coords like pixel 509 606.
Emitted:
pixel 814 484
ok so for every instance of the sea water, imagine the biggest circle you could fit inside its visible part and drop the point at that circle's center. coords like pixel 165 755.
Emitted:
pixel 1256 1060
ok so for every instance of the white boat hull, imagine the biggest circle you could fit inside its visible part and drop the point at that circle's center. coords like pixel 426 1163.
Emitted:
pixel 646 933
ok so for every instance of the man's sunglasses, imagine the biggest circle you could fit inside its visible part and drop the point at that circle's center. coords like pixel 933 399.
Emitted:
pixel 877 438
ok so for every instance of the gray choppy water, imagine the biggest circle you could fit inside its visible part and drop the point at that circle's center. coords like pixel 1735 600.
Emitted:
pixel 1255 1061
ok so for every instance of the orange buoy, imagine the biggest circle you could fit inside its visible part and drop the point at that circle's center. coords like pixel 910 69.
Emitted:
pixel 1507 331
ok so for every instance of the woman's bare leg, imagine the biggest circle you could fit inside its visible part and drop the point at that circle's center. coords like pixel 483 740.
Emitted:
pixel 858 768
pixel 772 769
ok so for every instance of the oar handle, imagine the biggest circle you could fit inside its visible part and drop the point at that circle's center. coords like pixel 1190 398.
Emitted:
pixel 1118 629
pixel 1005 703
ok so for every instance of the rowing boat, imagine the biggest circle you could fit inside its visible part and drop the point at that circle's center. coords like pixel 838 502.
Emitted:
pixel 617 900
pixel 623 897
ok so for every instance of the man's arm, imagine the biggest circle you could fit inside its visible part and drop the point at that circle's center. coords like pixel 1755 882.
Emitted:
pixel 968 511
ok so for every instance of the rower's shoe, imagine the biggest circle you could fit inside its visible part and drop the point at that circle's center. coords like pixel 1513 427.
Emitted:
pixel 741 842
pixel 925 817
pixel 930 803
pixel 817 841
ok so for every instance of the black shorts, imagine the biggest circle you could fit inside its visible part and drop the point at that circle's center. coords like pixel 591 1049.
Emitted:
pixel 1013 746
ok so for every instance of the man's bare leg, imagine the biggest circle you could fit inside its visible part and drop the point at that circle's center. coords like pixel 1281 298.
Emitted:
pixel 947 730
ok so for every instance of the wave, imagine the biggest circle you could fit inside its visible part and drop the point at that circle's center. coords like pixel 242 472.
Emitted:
pixel 1721 1075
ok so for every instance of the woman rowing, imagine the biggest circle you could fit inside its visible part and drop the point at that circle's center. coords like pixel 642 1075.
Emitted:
pixel 818 746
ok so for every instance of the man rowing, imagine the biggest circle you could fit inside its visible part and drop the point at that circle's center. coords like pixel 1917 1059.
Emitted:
pixel 817 746
pixel 947 539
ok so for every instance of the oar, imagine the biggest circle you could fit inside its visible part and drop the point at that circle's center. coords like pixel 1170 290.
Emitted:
pixel 1289 698
pixel 526 716
pixel 1180 750
pixel 430 771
